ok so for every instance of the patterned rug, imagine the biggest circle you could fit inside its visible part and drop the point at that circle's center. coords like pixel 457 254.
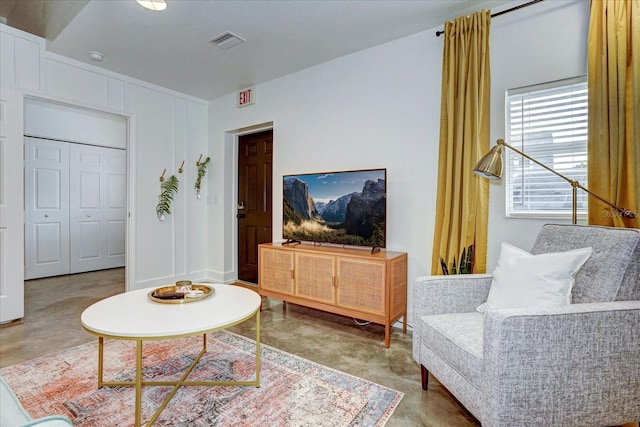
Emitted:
pixel 293 391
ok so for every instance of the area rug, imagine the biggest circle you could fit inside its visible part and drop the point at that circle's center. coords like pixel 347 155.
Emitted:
pixel 293 391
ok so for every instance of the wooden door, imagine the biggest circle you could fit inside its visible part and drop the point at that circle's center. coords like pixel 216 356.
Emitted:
pixel 255 154
pixel 46 208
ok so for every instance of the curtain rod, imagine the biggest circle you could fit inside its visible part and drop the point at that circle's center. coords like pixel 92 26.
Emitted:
pixel 438 33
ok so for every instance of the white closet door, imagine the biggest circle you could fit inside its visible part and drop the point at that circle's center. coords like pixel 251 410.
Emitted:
pixel 115 206
pixel 46 208
pixel 97 207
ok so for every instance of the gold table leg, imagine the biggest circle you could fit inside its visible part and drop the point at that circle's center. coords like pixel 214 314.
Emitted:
pixel 258 349
pixel 100 359
pixel 139 383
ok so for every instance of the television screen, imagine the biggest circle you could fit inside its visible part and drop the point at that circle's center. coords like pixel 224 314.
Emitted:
pixel 347 207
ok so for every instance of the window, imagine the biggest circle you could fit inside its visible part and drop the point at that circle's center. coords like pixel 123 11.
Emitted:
pixel 549 123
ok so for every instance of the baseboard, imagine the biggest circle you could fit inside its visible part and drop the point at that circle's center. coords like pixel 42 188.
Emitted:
pixel 248 285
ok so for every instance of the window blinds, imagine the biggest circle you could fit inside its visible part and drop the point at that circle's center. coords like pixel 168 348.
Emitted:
pixel 549 123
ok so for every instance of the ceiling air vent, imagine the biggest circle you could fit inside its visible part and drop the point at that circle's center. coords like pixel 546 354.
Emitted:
pixel 227 40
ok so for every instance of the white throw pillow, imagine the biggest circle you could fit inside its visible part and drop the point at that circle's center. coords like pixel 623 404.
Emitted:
pixel 522 280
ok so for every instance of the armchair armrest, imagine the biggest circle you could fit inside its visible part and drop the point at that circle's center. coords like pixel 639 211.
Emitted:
pixel 576 365
pixel 460 293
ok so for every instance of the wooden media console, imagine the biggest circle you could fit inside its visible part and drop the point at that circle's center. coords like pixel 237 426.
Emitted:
pixel 345 281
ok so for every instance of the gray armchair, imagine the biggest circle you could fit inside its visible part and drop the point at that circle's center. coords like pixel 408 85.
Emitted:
pixel 577 365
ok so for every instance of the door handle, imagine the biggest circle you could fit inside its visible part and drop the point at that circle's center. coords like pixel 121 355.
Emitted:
pixel 240 215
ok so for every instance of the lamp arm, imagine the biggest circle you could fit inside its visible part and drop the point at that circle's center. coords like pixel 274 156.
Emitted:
pixel 570 181
pixel 625 212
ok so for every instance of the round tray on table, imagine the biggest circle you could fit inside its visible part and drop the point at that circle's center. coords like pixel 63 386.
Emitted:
pixel 170 294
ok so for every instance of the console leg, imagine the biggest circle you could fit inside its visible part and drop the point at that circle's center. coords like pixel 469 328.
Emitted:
pixel 425 376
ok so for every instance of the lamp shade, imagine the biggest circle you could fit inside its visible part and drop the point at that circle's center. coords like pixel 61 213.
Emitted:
pixel 490 165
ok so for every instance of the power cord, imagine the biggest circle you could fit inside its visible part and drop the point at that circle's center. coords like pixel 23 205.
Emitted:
pixel 359 323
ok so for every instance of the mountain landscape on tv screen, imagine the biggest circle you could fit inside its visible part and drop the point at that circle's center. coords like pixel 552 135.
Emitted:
pixel 356 218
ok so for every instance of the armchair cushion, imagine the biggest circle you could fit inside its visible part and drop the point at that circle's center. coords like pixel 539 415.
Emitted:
pixel 13 414
pixel 457 338
pixel 524 280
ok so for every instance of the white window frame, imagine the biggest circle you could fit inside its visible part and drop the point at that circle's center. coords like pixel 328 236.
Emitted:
pixel 556 137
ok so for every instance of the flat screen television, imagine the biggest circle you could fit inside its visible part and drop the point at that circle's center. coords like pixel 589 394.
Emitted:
pixel 345 207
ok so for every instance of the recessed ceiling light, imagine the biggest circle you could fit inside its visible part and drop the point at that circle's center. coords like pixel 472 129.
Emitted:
pixel 155 5
pixel 96 56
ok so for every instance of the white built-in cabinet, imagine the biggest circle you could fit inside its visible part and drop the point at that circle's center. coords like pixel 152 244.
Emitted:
pixel 11 204
pixel 20 55
pixel 75 207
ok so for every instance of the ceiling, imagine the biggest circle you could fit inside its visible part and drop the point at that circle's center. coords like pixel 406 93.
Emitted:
pixel 171 48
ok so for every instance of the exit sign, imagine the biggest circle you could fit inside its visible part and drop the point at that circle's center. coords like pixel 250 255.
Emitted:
pixel 246 97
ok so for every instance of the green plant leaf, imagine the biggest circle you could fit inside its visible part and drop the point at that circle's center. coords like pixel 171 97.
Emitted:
pixel 168 188
pixel 202 171
pixel 445 269
pixel 463 265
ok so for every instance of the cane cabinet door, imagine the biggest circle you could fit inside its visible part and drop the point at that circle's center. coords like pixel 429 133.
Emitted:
pixel 315 277
pixel 361 285
pixel 276 270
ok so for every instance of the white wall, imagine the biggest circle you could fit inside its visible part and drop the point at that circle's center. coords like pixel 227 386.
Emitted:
pixel 59 121
pixel 366 110
pixel 164 128
pixel 169 130
pixel 381 108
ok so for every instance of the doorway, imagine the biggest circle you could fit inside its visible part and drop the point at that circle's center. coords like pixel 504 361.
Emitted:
pixel 75 189
pixel 255 182
pixel 75 207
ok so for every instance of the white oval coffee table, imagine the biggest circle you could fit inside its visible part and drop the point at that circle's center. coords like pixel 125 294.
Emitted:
pixel 133 316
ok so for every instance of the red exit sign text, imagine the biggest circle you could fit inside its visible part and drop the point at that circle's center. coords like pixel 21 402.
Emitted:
pixel 246 97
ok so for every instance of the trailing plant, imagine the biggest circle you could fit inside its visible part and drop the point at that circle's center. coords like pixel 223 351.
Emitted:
pixel 168 188
pixel 463 266
pixel 202 171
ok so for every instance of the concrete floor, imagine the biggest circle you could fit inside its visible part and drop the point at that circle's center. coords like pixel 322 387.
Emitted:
pixel 53 307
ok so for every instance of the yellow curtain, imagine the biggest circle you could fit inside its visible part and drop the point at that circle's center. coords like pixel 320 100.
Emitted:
pixel 463 197
pixel 614 110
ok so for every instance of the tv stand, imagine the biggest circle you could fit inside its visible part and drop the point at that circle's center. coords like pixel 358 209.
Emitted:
pixel 344 281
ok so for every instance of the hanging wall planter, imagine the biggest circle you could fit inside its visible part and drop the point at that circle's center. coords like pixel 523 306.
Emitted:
pixel 168 188
pixel 202 171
